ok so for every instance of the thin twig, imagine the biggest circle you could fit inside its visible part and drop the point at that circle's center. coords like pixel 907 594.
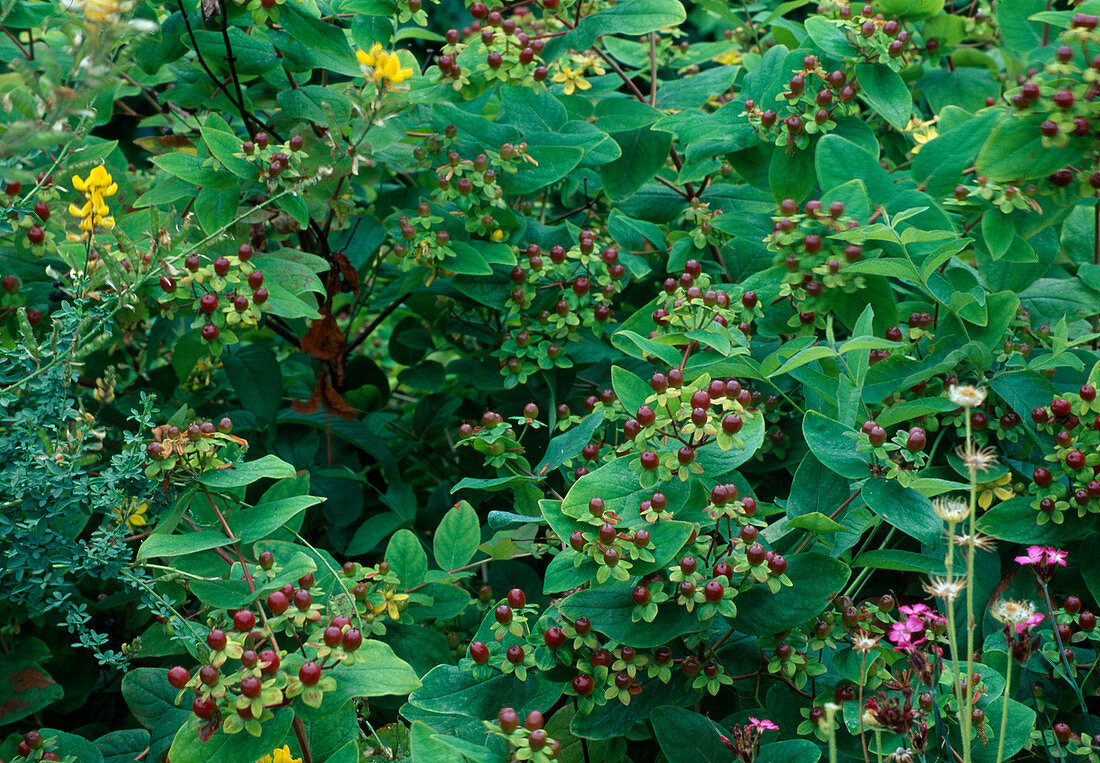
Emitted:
pixel 376 322
pixel 303 740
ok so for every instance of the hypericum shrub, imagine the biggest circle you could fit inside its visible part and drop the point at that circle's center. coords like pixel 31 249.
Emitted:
pixel 558 380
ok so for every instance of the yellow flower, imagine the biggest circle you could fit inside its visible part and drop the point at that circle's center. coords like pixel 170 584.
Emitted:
pixel 921 132
pixel 101 11
pixel 367 58
pixel 571 80
pixel 995 489
pixel 589 62
pixel 729 58
pixel 280 756
pixel 95 213
pixel 385 67
pixel 390 605
pixel 133 514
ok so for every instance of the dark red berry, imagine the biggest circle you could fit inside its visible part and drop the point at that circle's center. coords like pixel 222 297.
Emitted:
pixel 310 673
pixel 216 639
pixel 178 677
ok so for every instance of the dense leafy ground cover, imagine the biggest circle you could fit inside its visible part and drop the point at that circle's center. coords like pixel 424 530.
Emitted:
pixel 585 380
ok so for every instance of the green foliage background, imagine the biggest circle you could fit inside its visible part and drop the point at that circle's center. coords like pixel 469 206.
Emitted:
pixel 407 306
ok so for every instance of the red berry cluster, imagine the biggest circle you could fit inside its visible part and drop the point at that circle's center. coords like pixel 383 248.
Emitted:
pixel 1064 94
pixel 690 304
pixel 557 296
pixel 897 457
pixel 806 244
pixel 529 741
pixel 33 746
pixel 191 450
pixel 465 197
pixel 274 162
pixel 498 47
pixel 246 674
pixel 1073 477
pixel 34 221
pixel 224 291
pixel 613 549
pixel 680 417
pixel 814 100
pixel 878 39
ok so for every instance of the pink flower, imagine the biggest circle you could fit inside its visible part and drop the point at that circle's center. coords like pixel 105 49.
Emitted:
pixel 1043 556
pixel 906 635
pixel 1055 556
pixel 1029 623
pixel 902 634
pixel 922 611
pixel 762 725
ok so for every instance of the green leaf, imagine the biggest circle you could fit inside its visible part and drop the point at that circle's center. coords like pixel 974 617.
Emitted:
pixel 832 448
pixel 614 720
pixel 789 750
pixel 407 558
pixel 467 260
pixel 1017 31
pixel 152 700
pixel 816 522
pixel 257 379
pixel 450 689
pixel 295 206
pixel 165 545
pixel 315 104
pixel 884 91
pixel 629 388
pixel 124 746
pixel 641 347
pixel 424 745
pixel 265 518
pixel 942 159
pixel 905 509
pixel 816 488
pixel 633 233
pixel 554 163
pixel 25 687
pixel 291 274
pixel 644 152
pixel 252 54
pixel 189 168
pixel 792 174
pixel 327 43
pixel 1021 721
pixel 719 463
pixel 838 160
pixel 222 143
pixel 457 538
pixel 244 474
pixel 384 673
pixel 816 578
pixel 1014 520
pixel 688 737
pixel 79 748
pixel 610 612
pixel 998 230
pixel 188 747
pixel 903 561
pixel 829 37
pixel 617 485
pixel 1014 151
pixel 568 445
pixel 633 18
